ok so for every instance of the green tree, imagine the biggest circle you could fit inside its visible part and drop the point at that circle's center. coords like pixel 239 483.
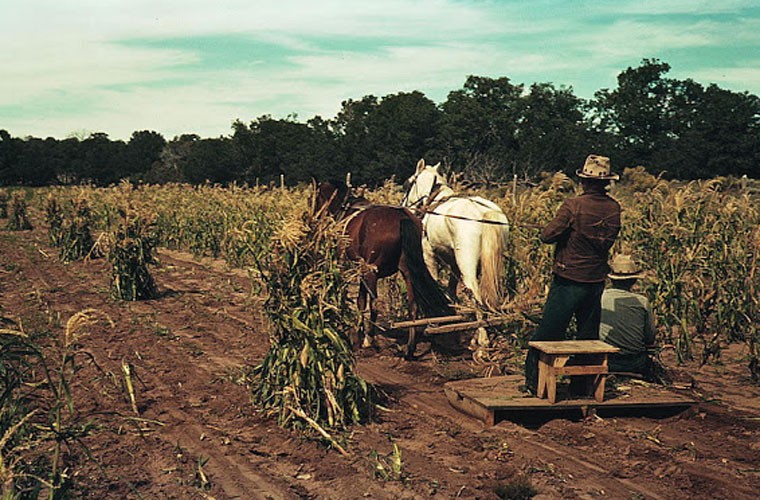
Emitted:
pixel 386 138
pixel 101 160
pixel 171 163
pixel 352 127
pixel 9 151
pixel 34 165
pixel 637 112
pixel 552 133
pixel 722 136
pixel 480 124
pixel 270 147
pixel 678 126
pixel 210 160
pixel 143 151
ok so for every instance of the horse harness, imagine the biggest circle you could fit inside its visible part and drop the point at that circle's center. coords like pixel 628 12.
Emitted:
pixel 429 208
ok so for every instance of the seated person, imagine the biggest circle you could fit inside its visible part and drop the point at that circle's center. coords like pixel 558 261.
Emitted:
pixel 627 321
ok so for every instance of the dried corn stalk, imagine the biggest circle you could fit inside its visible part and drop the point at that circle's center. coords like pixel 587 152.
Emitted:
pixel 309 369
pixel 130 252
pixel 18 220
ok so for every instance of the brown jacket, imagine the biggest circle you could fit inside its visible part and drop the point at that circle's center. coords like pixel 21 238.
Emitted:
pixel 583 230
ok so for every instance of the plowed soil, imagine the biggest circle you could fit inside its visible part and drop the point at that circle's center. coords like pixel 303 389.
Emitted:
pixel 196 435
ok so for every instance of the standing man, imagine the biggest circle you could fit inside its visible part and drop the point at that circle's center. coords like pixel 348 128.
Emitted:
pixel 627 320
pixel 583 231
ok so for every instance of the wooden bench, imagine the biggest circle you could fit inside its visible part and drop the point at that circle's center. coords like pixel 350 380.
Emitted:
pixel 589 358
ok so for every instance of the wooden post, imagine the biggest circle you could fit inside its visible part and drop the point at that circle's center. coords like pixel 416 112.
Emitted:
pixel 600 380
pixel 543 372
pixel 556 362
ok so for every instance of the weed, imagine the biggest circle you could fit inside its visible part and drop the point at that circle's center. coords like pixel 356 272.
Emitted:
pixel 519 488
pixel 388 467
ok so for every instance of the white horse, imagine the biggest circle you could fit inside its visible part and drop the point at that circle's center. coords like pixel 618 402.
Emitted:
pixel 467 233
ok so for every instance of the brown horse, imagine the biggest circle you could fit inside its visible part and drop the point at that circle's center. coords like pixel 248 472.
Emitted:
pixel 388 239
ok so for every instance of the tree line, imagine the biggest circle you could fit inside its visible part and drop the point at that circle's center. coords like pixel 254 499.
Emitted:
pixel 489 131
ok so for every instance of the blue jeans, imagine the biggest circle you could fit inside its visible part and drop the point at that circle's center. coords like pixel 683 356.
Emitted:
pixel 567 298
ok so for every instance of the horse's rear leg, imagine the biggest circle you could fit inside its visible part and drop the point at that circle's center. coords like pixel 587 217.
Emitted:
pixel 411 343
pixel 469 272
pixel 361 304
pixel 366 304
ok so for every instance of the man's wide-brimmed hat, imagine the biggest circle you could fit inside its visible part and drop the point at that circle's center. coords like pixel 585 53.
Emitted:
pixel 623 267
pixel 597 167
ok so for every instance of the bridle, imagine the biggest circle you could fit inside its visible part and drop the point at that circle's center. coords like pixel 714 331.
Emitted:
pixel 421 200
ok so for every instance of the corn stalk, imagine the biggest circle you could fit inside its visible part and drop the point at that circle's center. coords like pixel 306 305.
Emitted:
pixel 309 369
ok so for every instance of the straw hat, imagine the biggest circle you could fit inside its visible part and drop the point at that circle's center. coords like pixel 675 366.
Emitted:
pixel 597 167
pixel 623 267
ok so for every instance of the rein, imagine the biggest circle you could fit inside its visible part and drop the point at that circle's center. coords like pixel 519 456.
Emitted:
pixel 460 217
pixel 430 209
pixel 482 221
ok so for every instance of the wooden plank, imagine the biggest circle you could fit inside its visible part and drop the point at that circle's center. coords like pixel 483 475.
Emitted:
pixel 427 321
pixel 488 398
pixel 573 347
pixel 469 406
pixel 469 325
pixel 581 370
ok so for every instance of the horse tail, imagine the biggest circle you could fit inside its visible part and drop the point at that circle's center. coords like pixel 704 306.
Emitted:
pixel 494 240
pixel 428 295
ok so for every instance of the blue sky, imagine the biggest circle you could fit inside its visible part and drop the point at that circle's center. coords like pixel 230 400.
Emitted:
pixel 71 67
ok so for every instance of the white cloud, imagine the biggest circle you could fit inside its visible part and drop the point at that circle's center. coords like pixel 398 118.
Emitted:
pixel 658 7
pixel 737 79
pixel 155 18
pixel 76 67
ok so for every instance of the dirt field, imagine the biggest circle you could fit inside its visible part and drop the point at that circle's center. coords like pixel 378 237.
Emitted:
pixel 199 437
